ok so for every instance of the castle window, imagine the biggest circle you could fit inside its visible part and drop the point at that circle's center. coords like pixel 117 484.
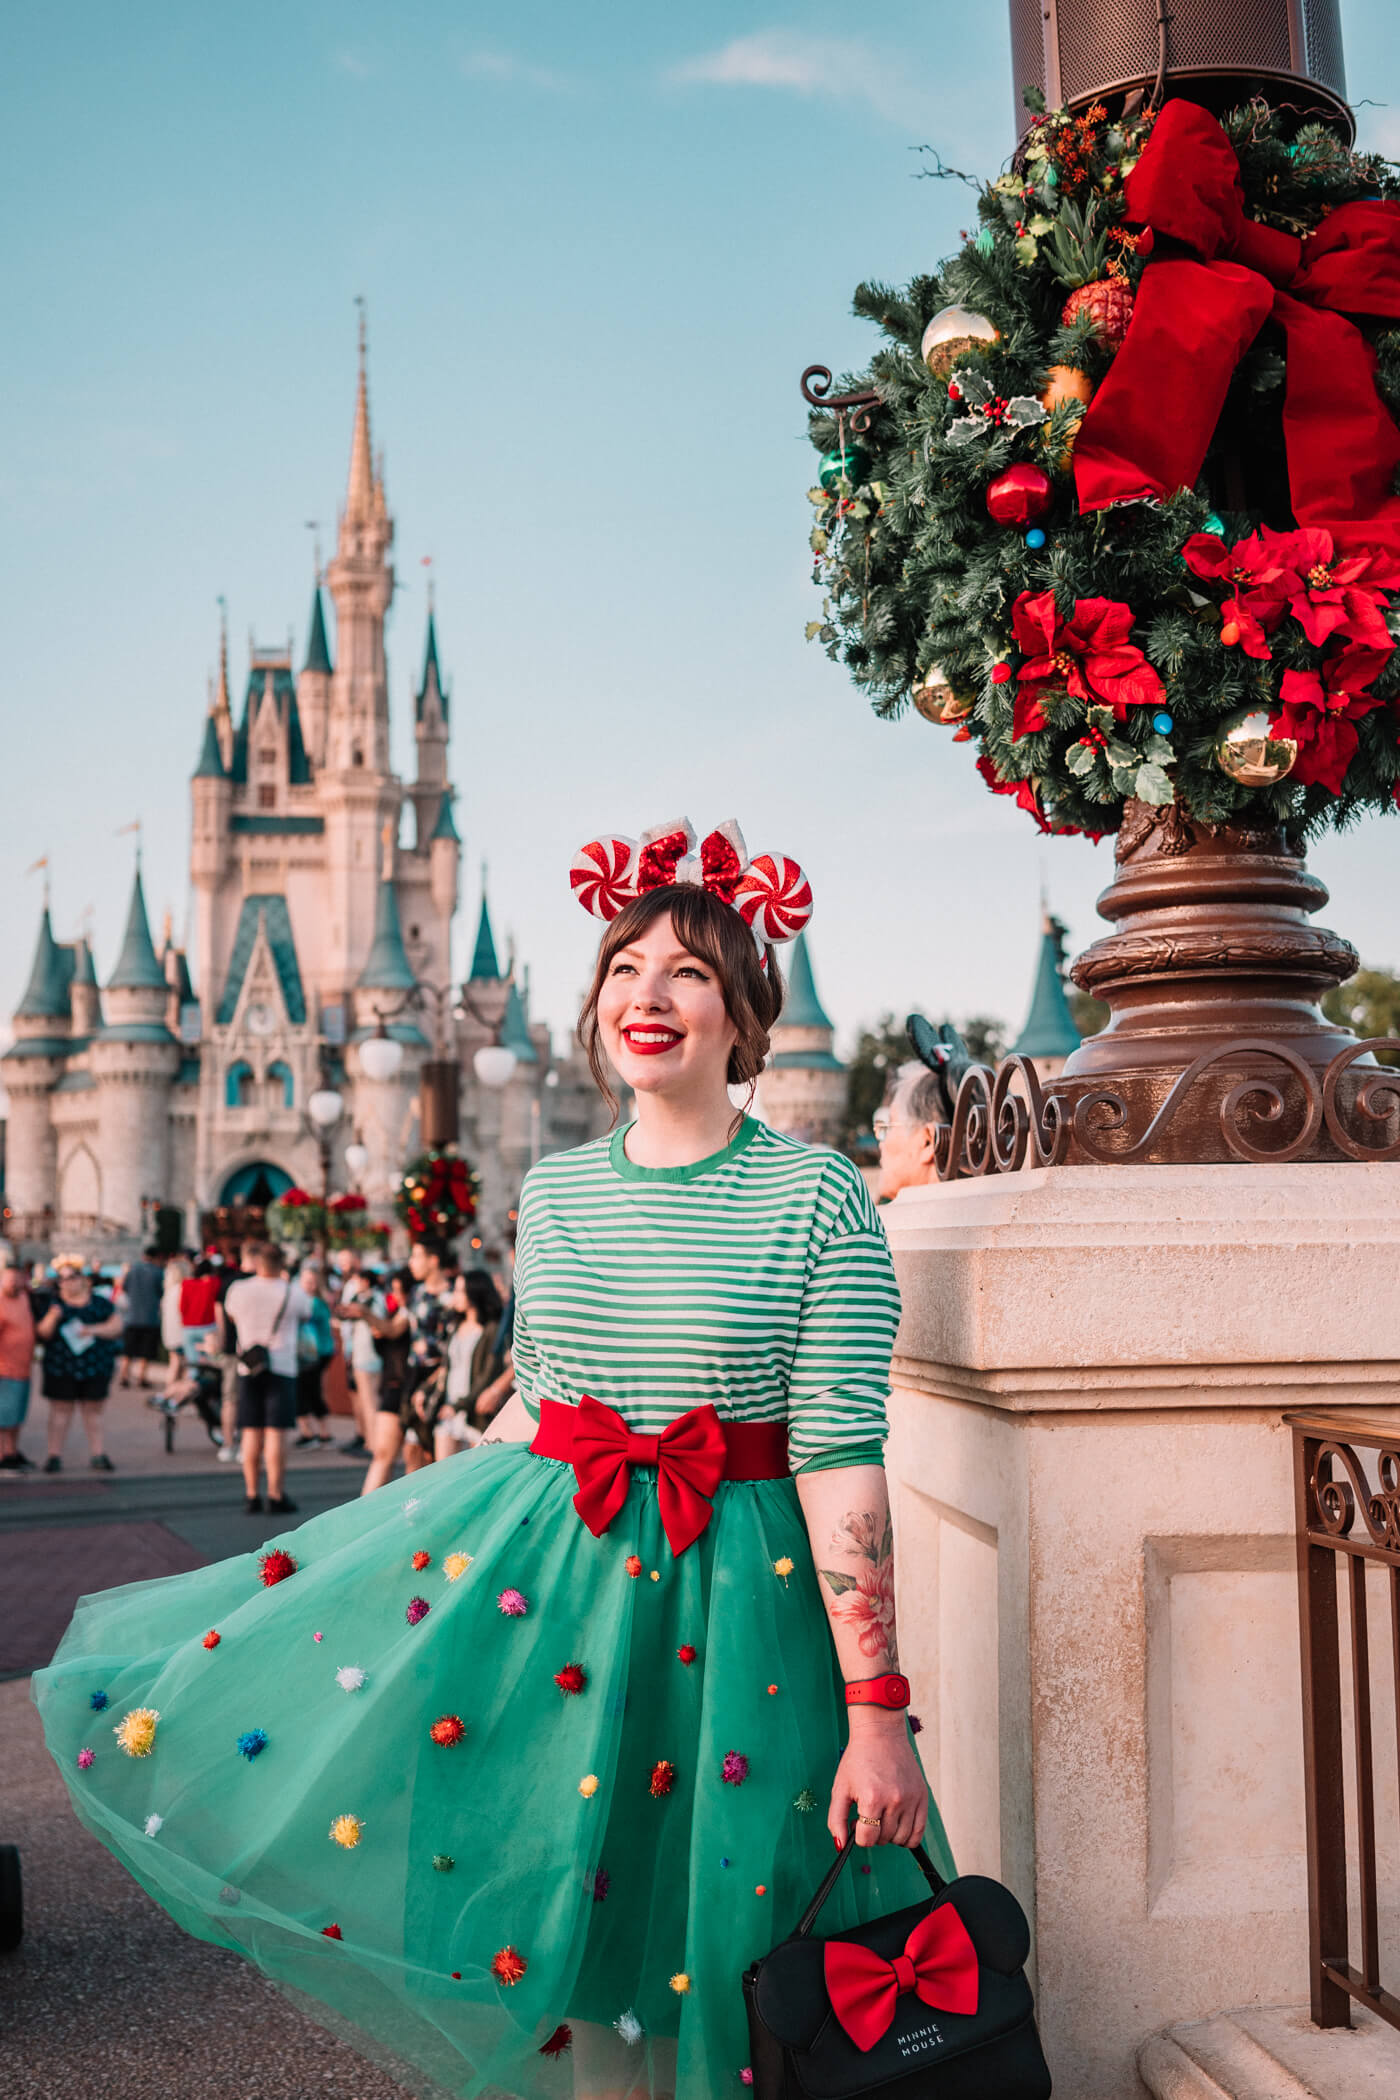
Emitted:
pixel 239 1086
pixel 267 755
pixel 267 795
pixel 357 756
pixel 281 1085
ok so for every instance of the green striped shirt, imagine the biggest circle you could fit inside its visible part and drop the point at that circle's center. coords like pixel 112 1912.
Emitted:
pixel 758 1279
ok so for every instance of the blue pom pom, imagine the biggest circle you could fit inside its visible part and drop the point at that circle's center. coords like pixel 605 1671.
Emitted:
pixel 1035 537
pixel 1162 722
pixel 724 1862
pixel 98 1701
pixel 252 1742
pixel 1214 524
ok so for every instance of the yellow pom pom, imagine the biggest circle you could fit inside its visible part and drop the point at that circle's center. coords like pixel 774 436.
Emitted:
pixel 588 1785
pixel 656 1575
pixel 347 1831
pixel 680 1983
pixel 456 1564
pixel 136 1731
pixel 783 1567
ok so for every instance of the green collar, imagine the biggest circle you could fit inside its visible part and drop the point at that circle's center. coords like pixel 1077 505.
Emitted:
pixel 629 1170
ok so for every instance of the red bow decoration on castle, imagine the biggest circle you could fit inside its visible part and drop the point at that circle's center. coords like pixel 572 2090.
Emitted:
pixel 1214 278
pixel 939 1962
pixel 688 1455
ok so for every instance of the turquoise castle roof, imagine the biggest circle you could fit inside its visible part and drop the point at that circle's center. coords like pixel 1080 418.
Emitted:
pixel 515 1033
pixel 285 697
pixel 431 671
pixel 318 654
pixel 46 994
pixel 211 758
pixel 802 1008
pixel 484 964
pixel 1049 1030
pixel 84 968
pixel 138 969
pixel 270 909
pixel 387 967
pixel 445 827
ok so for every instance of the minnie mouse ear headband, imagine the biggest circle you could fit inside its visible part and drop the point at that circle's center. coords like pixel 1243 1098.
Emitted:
pixel 943 1050
pixel 770 892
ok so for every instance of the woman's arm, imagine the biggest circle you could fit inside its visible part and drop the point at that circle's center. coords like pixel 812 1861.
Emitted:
pixel 107 1330
pixel 49 1323
pixel 847 1510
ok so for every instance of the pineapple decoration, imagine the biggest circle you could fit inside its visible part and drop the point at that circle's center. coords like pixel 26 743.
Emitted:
pixel 1097 284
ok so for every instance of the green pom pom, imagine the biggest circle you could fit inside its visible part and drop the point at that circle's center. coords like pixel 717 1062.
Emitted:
pixel 444 1862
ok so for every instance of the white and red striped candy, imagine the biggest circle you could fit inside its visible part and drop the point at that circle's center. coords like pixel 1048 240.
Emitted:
pixel 604 875
pixel 774 896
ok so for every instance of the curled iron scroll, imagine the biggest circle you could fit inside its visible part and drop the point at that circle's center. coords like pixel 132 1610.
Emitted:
pixel 1336 1500
pixel 1377 1098
pixel 816 391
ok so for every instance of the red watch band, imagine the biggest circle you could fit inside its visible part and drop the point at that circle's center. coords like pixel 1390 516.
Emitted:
pixel 889 1690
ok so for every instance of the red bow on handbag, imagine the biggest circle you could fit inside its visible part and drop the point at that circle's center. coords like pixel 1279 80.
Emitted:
pixel 939 1963
pixel 1215 277
pixel 688 1455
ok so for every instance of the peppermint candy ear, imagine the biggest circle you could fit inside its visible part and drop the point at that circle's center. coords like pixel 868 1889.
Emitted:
pixel 604 875
pixel 774 896
pixel 661 851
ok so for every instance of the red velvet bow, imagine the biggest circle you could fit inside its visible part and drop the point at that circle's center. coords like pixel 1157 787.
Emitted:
pixel 1215 277
pixel 939 1962
pixel 689 1459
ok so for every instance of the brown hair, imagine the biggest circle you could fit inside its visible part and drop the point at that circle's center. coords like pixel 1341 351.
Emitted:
pixel 714 934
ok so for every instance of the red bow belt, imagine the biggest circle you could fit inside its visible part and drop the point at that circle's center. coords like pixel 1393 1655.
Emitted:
pixel 1215 277
pixel 691 1456
pixel 939 1963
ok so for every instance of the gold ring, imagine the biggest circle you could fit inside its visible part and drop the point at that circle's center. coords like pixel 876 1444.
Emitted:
pixel 873 1821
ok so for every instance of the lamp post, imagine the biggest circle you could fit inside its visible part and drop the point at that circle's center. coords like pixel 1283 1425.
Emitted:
pixel 381 1057
pixel 323 1112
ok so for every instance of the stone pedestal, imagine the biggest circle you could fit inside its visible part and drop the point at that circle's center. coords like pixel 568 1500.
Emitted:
pixel 1096 1567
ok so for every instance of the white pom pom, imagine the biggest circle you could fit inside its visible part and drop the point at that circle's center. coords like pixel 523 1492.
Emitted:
pixel 629 2027
pixel 350 1677
pixel 153 1824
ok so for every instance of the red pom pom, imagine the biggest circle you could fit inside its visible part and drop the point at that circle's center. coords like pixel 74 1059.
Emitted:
pixel 663 1777
pixel 331 1932
pixel 212 1639
pixel 572 1678
pixel 276 1566
pixel 447 1730
pixel 1001 674
pixel 561 2039
pixel 1019 495
pixel 633 1566
pixel 686 1654
pixel 508 1965
pixel 422 1560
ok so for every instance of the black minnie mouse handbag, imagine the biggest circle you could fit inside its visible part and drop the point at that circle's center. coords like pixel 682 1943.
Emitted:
pixel 929 2003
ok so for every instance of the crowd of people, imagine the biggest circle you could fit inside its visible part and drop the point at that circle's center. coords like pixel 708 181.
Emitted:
pixel 247 1340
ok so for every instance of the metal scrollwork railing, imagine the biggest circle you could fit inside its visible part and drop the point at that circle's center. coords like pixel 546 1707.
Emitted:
pixel 1004 1120
pixel 817 383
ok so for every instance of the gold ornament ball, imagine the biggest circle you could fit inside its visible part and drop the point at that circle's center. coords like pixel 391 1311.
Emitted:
pixel 1066 383
pixel 1251 755
pixel 937 702
pixel 952 334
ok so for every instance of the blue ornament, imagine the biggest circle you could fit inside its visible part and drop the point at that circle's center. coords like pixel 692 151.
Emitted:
pixel 1035 537
pixel 1214 523
pixel 1162 722
pixel 98 1701
pixel 252 1742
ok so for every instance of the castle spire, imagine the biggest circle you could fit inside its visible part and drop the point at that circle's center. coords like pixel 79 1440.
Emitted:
pixel 801 1007
pixel 137 968
pixel 485 967
pixel 318 653
pixel 46 994
pixel 1050 1030
pixel 360 495
pixel 387 967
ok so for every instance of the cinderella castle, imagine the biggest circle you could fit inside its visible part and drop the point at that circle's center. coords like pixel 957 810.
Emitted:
pixel 187 1080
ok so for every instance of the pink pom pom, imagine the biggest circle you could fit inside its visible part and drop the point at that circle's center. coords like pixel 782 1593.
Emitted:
pixel 85 1758
pixel 513 1604
pixel 774 896
pixel 735 1769
pixel 604 875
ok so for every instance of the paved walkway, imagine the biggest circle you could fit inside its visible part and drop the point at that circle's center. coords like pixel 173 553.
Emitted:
pixel 106 1999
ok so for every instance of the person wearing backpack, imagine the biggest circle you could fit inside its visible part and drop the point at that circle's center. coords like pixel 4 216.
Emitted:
pixel 266 1311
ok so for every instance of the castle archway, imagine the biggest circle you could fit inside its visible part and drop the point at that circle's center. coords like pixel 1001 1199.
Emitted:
pixel 255 1184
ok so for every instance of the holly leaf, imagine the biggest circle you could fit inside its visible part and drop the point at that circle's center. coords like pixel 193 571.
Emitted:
pixel 974 386
pixel 819 497
pixel 965 430
pixel 1040 224
pixel 1159 750
pixel 1026 250
pixel 1124 777
pixel 818 541
pixel 1101 717
pixel 1080 760
pixel 1022 410
pixel 813 627
pixel 1152 785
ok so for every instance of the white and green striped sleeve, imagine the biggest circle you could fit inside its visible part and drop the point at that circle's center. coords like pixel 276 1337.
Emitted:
pixel 839 1382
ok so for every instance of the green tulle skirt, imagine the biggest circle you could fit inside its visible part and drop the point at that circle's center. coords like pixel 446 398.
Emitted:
pixel 537 1781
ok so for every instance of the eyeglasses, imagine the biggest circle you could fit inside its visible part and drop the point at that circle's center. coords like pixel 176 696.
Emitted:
pixel 882 1123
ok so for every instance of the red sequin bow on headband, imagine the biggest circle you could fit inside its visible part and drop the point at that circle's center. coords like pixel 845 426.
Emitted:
pixel 770 891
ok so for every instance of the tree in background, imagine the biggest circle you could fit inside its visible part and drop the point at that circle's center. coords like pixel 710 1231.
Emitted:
pixel 1090 1014
pixel 1369 1004
pixel 884 1048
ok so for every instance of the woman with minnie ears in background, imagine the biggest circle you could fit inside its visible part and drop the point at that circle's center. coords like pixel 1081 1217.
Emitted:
pixel 550 1728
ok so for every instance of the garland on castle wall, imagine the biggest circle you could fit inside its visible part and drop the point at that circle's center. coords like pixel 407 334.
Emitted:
pixel 1007 546
pixel 437 1197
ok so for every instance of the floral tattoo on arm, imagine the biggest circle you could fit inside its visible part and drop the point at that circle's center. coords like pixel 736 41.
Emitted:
pixel 865 1600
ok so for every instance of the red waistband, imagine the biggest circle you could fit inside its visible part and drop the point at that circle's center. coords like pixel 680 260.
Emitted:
pixel 752 1450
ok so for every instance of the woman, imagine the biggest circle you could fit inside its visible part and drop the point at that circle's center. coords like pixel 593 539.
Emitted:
pixel 393 1341
pixel 80 1332
pixel 471 1350
pixel 199 1311
pixel 172 1327
pixel 557 1771
pixel 315 1348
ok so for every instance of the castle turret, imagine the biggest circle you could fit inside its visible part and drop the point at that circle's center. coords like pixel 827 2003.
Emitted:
pixel 430 737
pixel 32 1067
pixel 314 684
pixel 803 1088
pixel 1049 1035
pixel 134 1060
pixel 85 998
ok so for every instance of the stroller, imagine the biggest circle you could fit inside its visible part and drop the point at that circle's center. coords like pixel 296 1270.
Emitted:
pixel 201 1389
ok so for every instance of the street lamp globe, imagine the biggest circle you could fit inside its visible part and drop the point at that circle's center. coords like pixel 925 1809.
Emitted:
pixel 493 1065
pixel 356 1159
pixel 380 1056
pixel 324 1107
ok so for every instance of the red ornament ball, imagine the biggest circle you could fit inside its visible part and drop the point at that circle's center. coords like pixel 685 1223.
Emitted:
pixel 572 1678
pixel 1001 674
pixel 447 1730
pixel 276 1567
pixel 1019 495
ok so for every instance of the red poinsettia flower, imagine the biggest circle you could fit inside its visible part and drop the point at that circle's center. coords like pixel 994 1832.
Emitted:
pixel 1026 796
pixel 1336 594
pixel 1320 710
pixel 1088 656
pixel 1263 583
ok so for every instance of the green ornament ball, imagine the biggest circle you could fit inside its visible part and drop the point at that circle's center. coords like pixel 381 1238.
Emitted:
pixel 846 464
pixel 1214 523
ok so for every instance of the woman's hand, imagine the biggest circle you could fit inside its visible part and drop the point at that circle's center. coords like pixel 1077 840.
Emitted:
pixel 879 1775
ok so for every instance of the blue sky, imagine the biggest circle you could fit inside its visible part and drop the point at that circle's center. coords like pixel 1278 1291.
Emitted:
pixel 598 247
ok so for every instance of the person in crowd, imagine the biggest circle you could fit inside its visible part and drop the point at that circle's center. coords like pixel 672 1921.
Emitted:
pixel 142 1286
pixel 178 1271
pixel 199 1305
pixel 225 1348
pixel 16 1362
pixel 80 1330
pixel 261 1316
pixel 471 1355
pixel 916 1107
pixel 430 1320
pixel 393 1341
pixel 315 1348
pixel 361 1313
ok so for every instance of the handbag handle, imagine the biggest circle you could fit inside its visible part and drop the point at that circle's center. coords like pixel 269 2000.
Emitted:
pixel 809 1916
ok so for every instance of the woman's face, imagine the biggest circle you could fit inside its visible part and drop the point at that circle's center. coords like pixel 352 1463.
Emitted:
pixel 73 1287
pixel 459 1296
pixel 662 1016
